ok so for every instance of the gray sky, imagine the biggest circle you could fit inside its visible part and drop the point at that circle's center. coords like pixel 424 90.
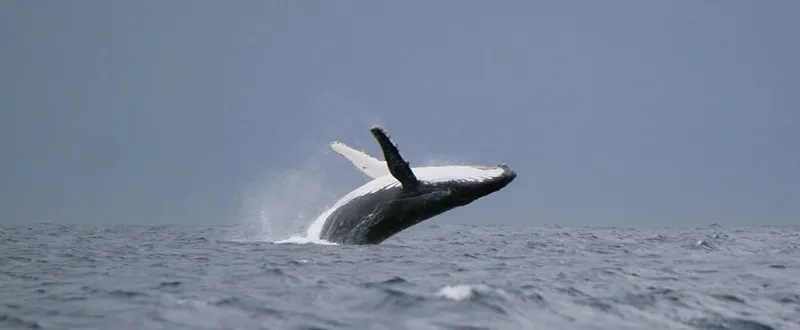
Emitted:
pixel 635 113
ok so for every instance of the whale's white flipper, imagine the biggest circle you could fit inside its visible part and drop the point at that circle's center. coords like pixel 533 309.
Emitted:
pixel 369 165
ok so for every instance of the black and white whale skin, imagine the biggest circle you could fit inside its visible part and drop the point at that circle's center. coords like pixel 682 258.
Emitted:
pixel 399 197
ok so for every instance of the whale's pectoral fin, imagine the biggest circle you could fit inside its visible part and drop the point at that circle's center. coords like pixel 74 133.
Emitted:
pixel 370 166
pixel 398 166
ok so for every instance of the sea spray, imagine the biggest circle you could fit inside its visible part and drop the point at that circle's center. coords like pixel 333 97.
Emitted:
pixel 285 204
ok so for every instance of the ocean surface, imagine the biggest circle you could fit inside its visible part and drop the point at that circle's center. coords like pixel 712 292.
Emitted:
pixel 427 277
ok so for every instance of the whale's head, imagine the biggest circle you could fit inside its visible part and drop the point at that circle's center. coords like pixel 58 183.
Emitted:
pixel 453 186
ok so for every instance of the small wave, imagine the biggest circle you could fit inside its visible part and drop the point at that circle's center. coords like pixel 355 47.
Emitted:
pixel 705 245
pixel 120 293
pixel 18 323
pixel 729 323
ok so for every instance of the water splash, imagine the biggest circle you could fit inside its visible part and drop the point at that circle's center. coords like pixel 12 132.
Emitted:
pixel 307 239
pixel 279 209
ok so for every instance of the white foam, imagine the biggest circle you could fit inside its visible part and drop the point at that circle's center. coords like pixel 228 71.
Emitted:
pixel 296 239
pixel 456 292
pixel 460 292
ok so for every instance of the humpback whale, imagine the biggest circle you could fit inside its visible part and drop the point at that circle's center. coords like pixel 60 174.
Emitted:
pixel 399 196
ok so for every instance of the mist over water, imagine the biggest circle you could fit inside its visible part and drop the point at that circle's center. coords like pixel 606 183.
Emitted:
pixel 286 204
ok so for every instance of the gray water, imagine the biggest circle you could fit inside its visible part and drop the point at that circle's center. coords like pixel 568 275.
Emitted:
pixel 428 277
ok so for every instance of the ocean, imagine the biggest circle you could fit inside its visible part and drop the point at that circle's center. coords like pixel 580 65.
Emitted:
pixel 427 277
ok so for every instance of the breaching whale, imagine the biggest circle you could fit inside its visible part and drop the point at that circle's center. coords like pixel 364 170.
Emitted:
pixel 399 196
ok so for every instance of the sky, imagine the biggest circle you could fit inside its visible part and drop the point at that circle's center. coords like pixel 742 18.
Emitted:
pixel 613 113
